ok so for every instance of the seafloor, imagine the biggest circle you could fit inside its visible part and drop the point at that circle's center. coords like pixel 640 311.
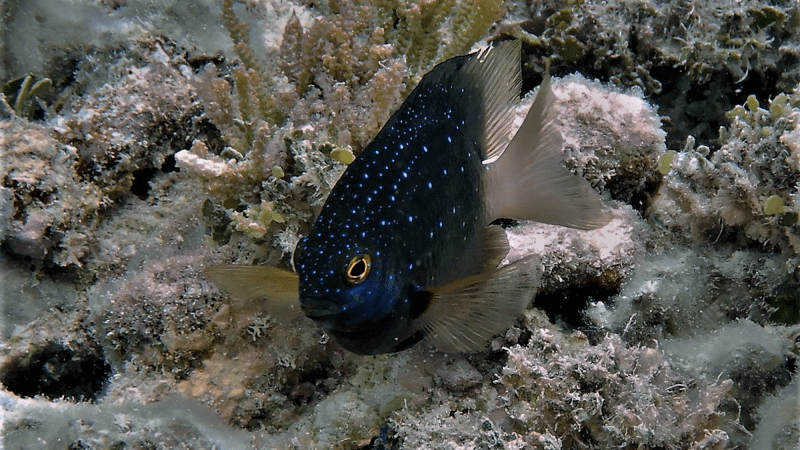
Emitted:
pixel 142 140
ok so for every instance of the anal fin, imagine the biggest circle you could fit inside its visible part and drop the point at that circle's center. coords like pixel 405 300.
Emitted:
pixel 493 247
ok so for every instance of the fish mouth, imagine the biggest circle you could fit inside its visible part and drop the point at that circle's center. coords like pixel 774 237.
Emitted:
pixel 318 313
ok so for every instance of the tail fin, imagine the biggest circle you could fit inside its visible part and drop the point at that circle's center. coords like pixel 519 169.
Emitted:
pixel 529 180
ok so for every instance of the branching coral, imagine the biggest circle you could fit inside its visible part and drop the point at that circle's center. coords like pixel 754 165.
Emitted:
pixel 351 44
pixel 346 72
pixel 252 82
pixel 366 46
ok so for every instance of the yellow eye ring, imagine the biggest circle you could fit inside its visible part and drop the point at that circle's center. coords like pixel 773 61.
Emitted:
pixel 357 269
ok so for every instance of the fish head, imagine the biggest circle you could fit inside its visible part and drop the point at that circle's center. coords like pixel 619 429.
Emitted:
pixel 355 294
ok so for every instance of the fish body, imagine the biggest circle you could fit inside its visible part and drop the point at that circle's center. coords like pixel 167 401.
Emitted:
pixel 413 201
pixel 403 248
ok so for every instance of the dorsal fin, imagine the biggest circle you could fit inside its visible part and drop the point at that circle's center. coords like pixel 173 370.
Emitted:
pixel 471 96
pixel 497 73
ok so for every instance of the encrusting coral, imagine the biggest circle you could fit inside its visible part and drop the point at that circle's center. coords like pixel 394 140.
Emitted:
pixel 604 395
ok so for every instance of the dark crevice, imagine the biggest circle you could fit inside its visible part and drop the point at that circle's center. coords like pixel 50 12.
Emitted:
pixel 169 164
pixel 568 305
pixel 77 372
pixel 140 186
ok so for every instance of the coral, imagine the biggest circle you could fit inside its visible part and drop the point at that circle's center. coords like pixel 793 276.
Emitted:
pixel 286 199
pixel 344 71
pixel 717 313
pixel 370 56
pixel 28 94
pixel 46 201
pixel 93 161
pixel 580 267
pixel 557 391
pixel 688 55
pixel 240 34
pixel 635 394
pixel 156 306
pixel 611 138
pixel 255 96
pixel 342 76
pixel 471 23
pixel 328 46
pixel 614 139
pixel 753 180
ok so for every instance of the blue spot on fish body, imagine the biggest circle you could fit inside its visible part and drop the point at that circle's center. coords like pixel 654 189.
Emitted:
pixel 437 135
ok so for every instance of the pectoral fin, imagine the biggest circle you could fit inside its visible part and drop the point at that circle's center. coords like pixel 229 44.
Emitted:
pixel 277 287
pixel 465 314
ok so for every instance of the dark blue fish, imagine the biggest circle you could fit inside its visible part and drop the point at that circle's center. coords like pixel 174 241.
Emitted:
pixel 403 249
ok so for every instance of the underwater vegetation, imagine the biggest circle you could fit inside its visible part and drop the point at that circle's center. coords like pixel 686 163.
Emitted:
pixel 141 142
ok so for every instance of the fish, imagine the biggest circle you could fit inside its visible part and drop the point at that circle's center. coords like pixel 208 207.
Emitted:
pixel 404 248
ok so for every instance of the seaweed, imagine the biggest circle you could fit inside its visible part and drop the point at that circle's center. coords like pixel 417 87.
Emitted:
pixel 29 96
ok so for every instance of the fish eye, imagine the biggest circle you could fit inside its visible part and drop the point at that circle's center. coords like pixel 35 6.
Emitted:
pixel 357 269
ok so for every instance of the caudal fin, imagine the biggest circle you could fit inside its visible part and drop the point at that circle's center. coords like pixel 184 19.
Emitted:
pixel 529 180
